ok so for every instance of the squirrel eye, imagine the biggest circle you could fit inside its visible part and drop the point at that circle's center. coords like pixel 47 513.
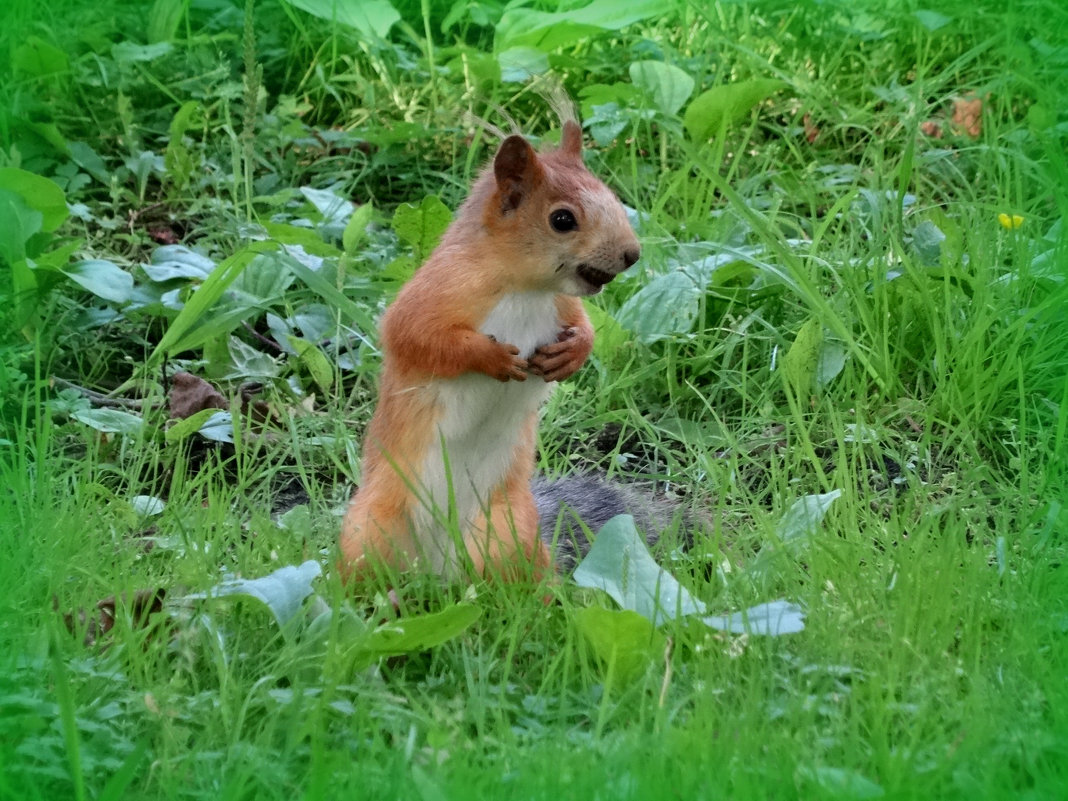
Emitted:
pixel 563 221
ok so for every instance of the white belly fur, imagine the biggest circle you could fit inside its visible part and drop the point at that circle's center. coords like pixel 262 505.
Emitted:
pixel 479 425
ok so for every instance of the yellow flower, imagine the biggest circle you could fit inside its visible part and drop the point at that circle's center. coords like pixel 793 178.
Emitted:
pixel 1010 222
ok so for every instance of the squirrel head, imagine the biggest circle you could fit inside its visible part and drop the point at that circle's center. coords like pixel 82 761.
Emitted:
pixel 561 229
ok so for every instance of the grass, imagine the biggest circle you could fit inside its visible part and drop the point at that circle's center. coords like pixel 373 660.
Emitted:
pixel 876 331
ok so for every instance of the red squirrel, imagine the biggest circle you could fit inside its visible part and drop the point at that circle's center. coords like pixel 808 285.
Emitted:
pixel 472 346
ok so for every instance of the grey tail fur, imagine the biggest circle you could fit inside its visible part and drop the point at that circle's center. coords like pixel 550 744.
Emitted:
pixel 563 502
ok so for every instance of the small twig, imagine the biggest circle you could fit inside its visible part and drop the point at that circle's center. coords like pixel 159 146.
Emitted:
pixel 98 398
pixel 261 338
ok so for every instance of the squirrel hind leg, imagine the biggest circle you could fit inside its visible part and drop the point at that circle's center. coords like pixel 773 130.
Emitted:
pixel 374 541
pixel 504 541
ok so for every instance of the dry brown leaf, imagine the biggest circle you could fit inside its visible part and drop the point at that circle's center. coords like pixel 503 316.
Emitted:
pixel 96 624
pixel 968 116
pixel 932 128
pixel 190 394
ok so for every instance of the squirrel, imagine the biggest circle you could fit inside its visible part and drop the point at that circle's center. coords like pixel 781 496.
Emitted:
pixel 472 346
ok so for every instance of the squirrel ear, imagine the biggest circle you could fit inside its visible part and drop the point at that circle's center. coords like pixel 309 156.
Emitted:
pixel 571 139
pixel 516 169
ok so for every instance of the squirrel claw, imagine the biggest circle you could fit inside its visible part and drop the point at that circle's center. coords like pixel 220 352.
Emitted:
pixel 561 359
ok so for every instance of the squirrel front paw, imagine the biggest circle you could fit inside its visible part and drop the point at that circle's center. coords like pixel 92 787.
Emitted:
pixel 504 362
pixel 562 358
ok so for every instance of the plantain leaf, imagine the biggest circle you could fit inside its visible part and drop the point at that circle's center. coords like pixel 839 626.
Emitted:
pixel 801 361
pixel 667 85
pixel 103 278
pixel 422 226
pixel 372 18
pixel 624 641
pixel 282 591
pixel 722 106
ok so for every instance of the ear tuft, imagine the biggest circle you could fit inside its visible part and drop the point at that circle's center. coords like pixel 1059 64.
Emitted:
pixel 571 139
pixel 515 168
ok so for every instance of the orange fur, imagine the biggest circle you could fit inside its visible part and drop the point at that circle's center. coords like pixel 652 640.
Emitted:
pixel 472 345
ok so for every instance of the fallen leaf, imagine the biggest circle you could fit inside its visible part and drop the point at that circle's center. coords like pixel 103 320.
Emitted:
pixel 190 394
pixel 968 116
pixel 931 128
pixel 164 235
pixel 141 605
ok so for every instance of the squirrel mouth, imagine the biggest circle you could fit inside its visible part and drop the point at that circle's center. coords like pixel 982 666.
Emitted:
pixel 593 276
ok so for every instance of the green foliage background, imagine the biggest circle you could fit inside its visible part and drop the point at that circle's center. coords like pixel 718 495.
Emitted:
pixel 845 288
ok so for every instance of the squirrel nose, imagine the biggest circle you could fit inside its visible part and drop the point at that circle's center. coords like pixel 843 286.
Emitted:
pixel 631 256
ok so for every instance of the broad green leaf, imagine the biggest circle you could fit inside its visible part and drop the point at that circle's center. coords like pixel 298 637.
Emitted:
pixel 400 269
pixel 832 361
pixel 356 228
pixel 314 361
pixel 421 632
pixel 549 31
pixel 282 591
pixel 56 260
pixel 413 634
pixel 332 207
pixel 103 278
pixel 519 64
pixel 794 533
pixel 189 426
pixel 109 421
pixel 722 106
pixel 927 239
pixel 177 261
pixel 932 20
pixel 306 238
pixel 372 18
pixel 805 516
pixel 801 361
pixel 666 306
pixel 623 95
pixel 219 427
pixel 248 362
pixel 608 335
pixel 50 133
pixel 620 564
pixel 422 226
pixel 89 160
pixel 38 193
pixel 666 84
pixel 263 283
pixel 18 222
pixel 624 641
pixel 38 58
pixel 316 321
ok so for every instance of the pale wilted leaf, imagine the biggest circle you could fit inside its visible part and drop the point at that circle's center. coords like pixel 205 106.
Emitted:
pixel 282 591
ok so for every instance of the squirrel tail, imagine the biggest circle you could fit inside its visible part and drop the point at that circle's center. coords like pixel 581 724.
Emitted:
pixel 593 500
